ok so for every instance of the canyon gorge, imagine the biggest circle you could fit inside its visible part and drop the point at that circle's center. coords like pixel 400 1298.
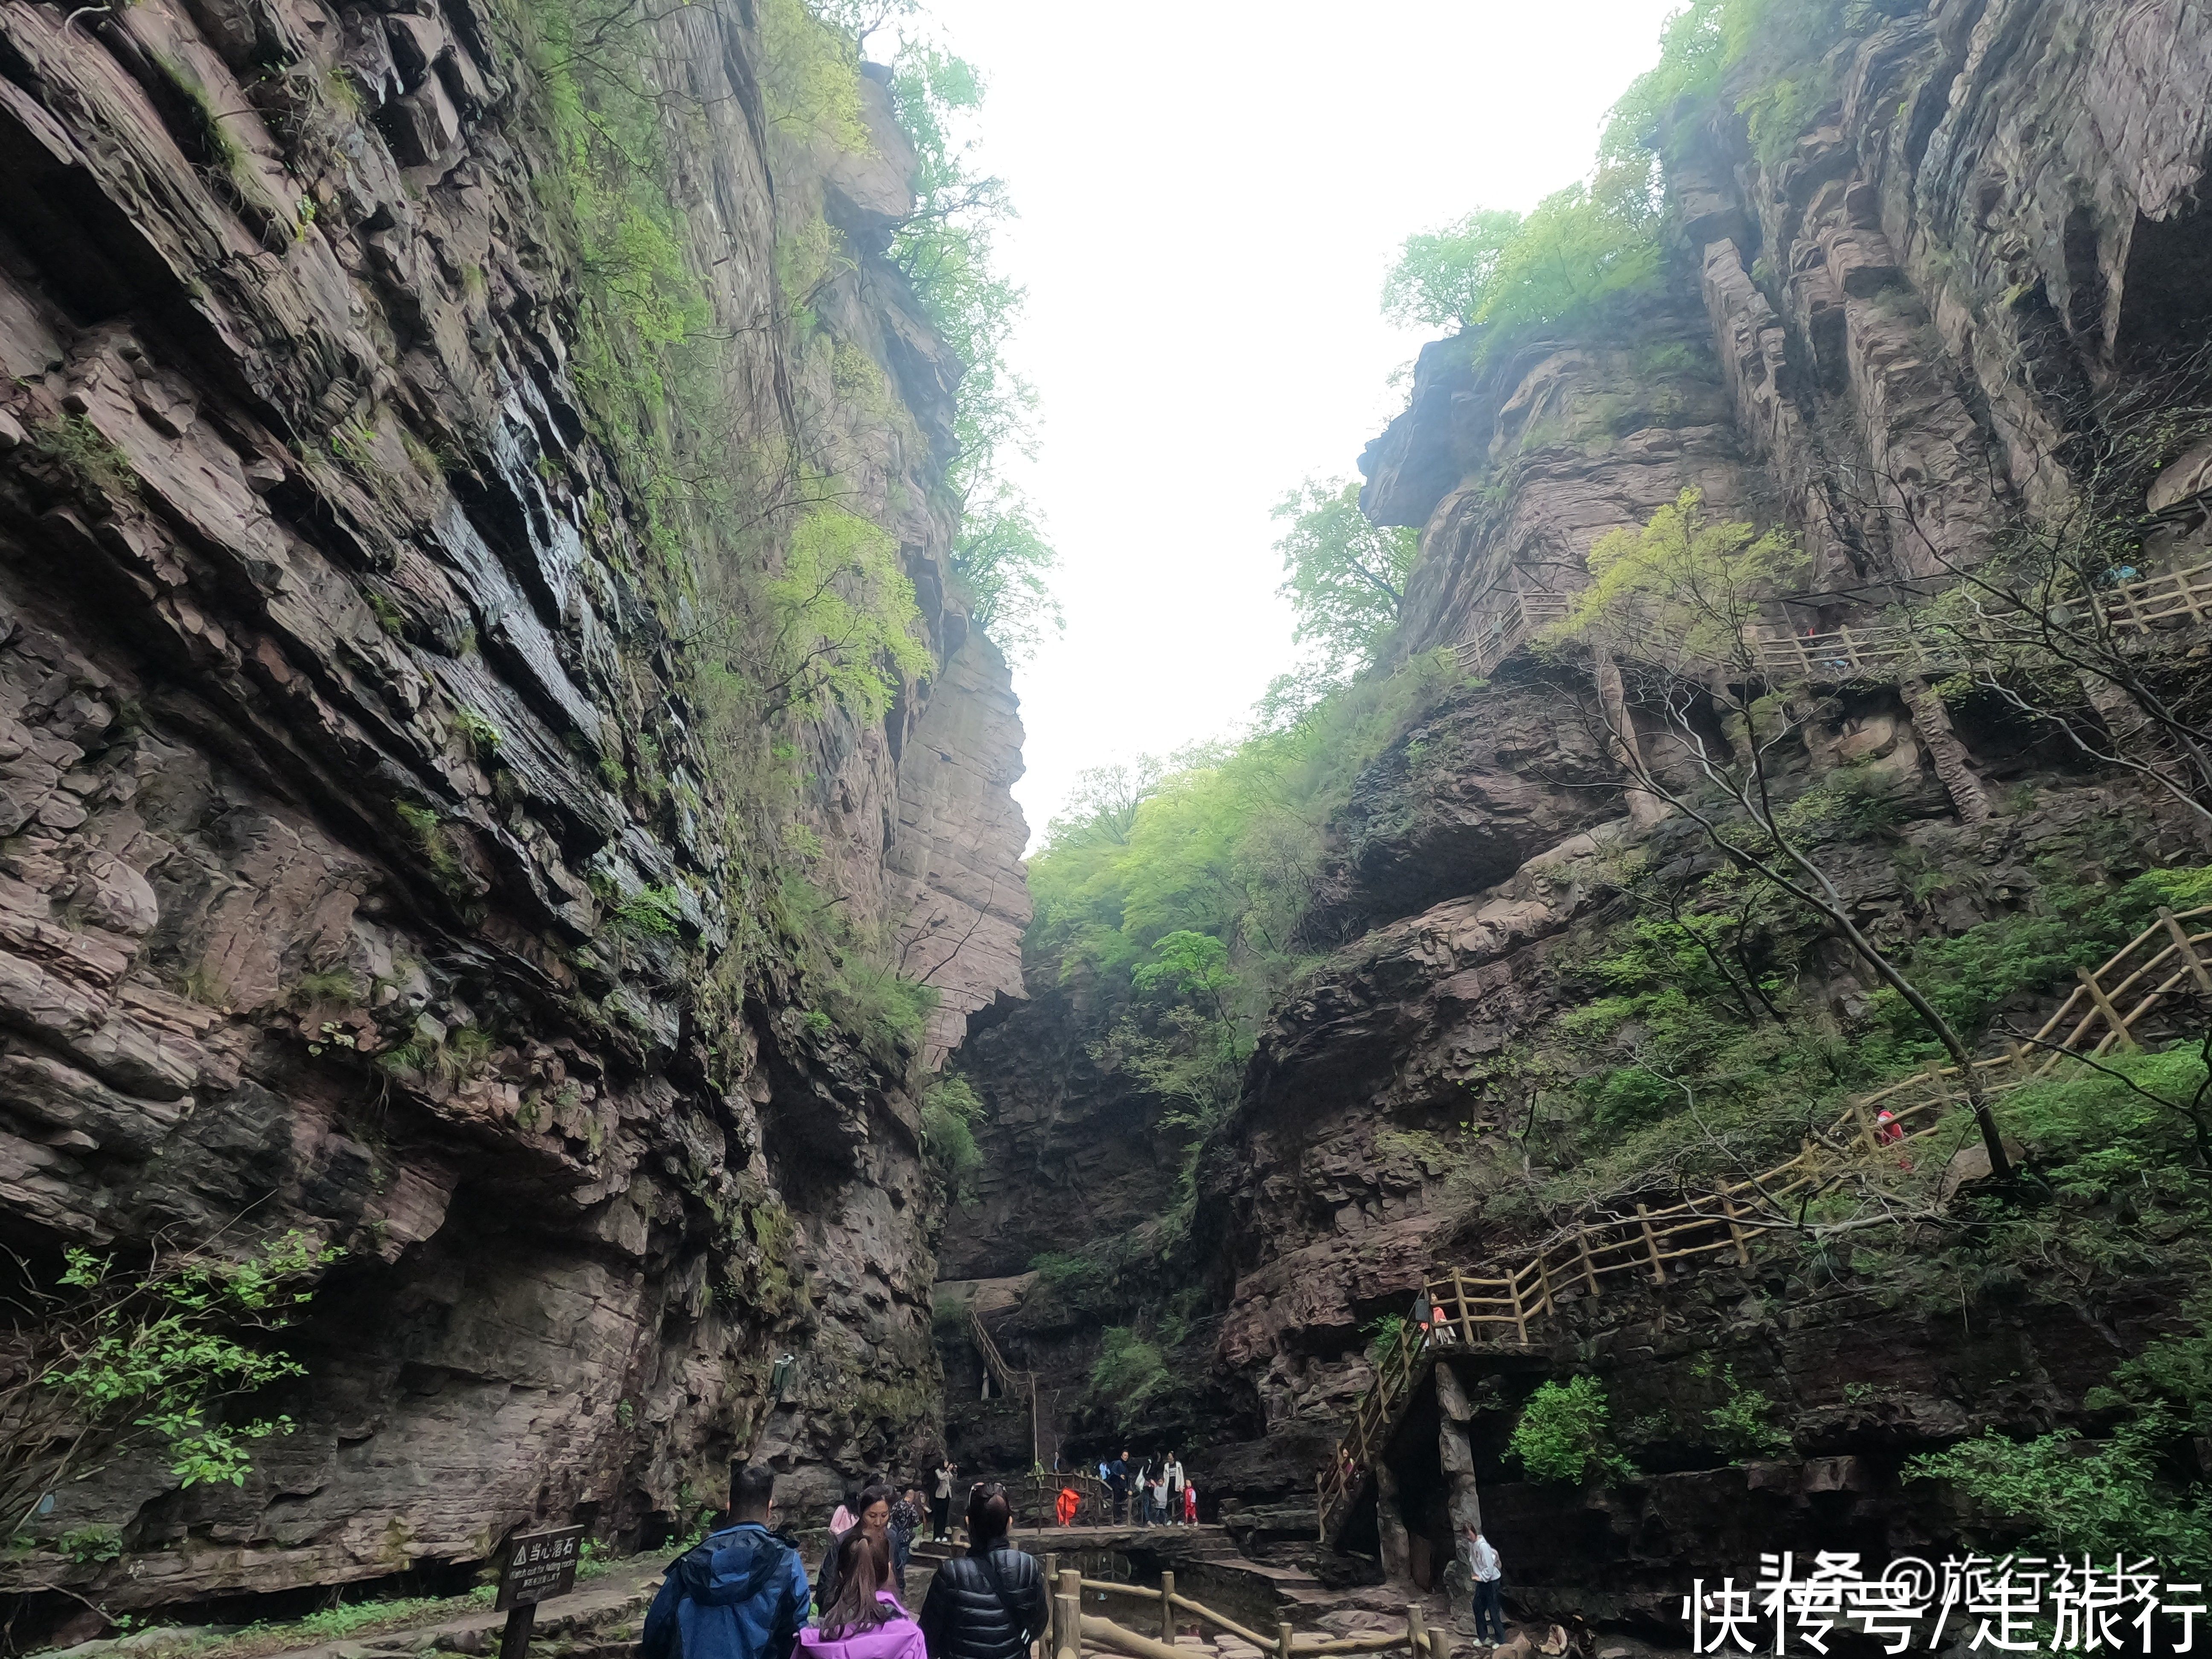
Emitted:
pixel 508 825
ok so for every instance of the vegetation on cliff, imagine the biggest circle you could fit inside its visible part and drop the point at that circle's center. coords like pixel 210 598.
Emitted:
pixel 782 576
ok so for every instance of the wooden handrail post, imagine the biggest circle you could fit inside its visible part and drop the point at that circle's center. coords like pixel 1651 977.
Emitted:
pixel 2104 1008
pixel 1866 1126
pixel 1283 1638
pixel 1544 1281
pixel 1069 1617
pixel 1417 1630
pixel 1520 1318
pixel 1589 1268
pixel 1651 1244
pixel 2187 950
pixel 1742 1255
pixel 1167 1608
pixel 1465 1313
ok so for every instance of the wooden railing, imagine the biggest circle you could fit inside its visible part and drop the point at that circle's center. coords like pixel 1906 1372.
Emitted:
pixel 1012 1383
pixel 1503 618
pixel 2155 970
pixel 2177 597
pixel 1071 1628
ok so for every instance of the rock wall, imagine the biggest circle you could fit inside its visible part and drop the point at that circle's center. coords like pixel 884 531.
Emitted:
pixel 372 865
pixel 1874 339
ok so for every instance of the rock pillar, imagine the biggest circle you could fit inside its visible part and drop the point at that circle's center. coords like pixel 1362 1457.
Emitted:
pixel 1395 1543
pixel 1932 721
pixel 1645 808
pixel 1455 1451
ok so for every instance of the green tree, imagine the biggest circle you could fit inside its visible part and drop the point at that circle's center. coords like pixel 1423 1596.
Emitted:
pixel 1347 577
pixel 2067 1495
pixel 945 247
pixel 1005 559
pixel 1443 276
pixel 1509 277
pixel 118 1353
pixel 1564 1434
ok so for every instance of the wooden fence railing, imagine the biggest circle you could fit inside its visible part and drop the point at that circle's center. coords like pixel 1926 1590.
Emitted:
pixel 2156 969
pixel 1012 1383
pixel 1502 619
pixel 2152 605
pixel 1071 1628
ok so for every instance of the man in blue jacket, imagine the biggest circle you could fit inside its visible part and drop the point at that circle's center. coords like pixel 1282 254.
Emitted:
pixel 741 1594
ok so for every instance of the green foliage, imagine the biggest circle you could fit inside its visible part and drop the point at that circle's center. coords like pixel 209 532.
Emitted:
pixel 339 985
pixel 1969 976
pixel 81 449
pixel 1347 577
pixel 1509 277
pixel 1768 53
pixel 2069 1496
pixel 809 77
pixel 1742 1425
pixel 1003 559
pixel 1179 885
pixel 950 1109
pixel 123 1353
pixel 1681 590
pixel 1130 1369
pixel 654 910
pixel 89 1545
pixel 1383 1336
pixel 945 249
pixel 2172 1374
pixel 482 736
pixel 1444 276
pixel 842 620
pixel 429 834
pixel 1564 1434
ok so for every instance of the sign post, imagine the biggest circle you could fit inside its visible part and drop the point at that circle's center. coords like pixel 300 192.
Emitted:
pixel 533 1567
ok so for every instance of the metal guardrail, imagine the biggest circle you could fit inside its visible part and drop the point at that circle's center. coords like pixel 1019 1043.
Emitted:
pixel 2166 959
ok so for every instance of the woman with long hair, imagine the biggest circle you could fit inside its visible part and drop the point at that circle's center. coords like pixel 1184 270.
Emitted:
pixel 871 1514
pixel 863 1619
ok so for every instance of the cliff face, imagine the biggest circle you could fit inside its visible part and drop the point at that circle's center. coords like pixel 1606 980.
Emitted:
pixel 1878 333
pixel 1879 337
pixel 372 865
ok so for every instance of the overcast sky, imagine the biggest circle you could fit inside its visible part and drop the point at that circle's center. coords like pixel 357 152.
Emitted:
pixel 1210 194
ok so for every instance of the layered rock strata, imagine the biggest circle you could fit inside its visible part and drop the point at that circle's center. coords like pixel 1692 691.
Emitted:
pixel 372 865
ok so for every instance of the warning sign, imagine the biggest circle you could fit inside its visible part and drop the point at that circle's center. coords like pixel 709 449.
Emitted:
pixel 537 1566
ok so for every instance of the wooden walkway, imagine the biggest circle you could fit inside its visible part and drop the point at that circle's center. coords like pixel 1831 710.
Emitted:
pixel 1506 615
pixel 2158 968
pixel 2177 598
pixel 1073 1631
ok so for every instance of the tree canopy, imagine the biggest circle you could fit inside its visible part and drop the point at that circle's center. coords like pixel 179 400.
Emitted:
pixel 1346 577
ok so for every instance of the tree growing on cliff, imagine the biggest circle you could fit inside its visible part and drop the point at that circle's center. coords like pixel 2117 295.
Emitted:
pixel 1443 276
pixel 1346 577
pixel 114 1355
pixel 1665 628
pixel 1509 277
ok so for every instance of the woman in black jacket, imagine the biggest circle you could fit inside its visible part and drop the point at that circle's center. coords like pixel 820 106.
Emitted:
pixel 989 1603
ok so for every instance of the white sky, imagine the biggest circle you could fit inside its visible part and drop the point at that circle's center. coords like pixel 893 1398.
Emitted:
pixel 1209 193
